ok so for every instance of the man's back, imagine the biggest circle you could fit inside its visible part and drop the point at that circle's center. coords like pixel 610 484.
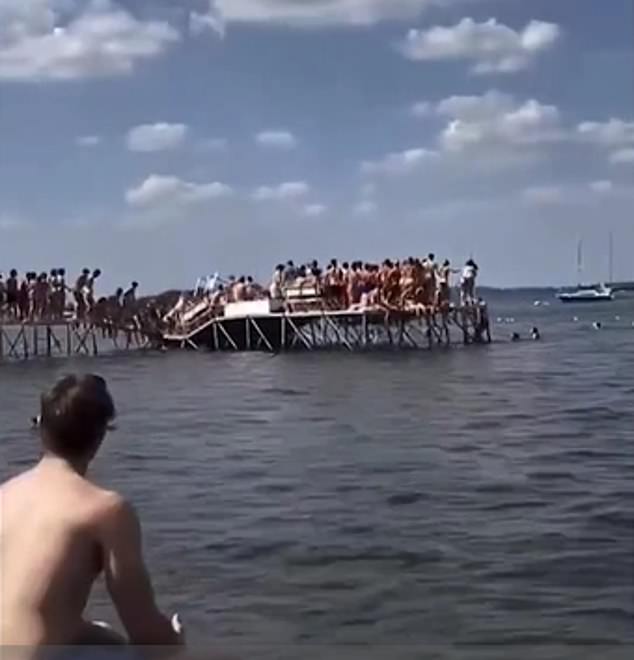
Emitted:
pixel 50 554
pixel 58 532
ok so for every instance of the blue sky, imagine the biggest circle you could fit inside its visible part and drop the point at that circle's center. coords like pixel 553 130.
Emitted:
pixel 160 140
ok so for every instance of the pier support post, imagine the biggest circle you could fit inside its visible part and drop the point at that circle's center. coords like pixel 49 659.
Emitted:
pixel 364 329
pixel 262 336
pixel 214 336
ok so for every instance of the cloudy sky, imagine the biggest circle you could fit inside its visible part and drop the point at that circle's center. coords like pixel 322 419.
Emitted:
pixel 163 139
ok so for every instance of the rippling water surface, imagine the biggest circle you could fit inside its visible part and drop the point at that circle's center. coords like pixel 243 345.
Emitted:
pixel 462 503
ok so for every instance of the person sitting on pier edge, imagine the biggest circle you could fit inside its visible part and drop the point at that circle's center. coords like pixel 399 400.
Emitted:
pixel 54 546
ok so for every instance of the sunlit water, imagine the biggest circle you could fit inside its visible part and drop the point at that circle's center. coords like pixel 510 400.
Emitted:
pixel 460 503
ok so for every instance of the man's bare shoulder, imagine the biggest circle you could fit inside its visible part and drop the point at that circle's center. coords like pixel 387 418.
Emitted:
pixel 115 512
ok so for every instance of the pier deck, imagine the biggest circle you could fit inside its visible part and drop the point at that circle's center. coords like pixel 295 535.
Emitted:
pixel 345 330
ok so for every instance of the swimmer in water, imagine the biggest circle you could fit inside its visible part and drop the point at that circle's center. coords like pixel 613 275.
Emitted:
pixel 86 530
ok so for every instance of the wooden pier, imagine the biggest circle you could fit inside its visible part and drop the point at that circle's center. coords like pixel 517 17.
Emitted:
pixel 330 330
pixel 22 341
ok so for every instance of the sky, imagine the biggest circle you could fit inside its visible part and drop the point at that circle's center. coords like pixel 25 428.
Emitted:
pixel 161 140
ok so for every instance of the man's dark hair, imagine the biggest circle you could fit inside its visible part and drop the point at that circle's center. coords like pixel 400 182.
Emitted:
pixel 75 416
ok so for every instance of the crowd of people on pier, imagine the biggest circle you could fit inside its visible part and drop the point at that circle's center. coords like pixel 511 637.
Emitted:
pixel 406 285
pixel 413 285
pixel 46 297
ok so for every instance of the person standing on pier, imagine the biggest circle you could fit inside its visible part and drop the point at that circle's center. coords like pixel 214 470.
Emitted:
pixel 467 283
pixel 276 289
pixel 41 297
pixel 3 295
pixel 60 288
pixel 12 288
pixel 90 289
pixel 32 295
pixel 60 532
pixel 79 292
pixel 129 297
pixel 429 274
pixel 23 298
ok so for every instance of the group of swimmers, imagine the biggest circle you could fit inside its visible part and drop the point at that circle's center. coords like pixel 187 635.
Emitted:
pixel 47 297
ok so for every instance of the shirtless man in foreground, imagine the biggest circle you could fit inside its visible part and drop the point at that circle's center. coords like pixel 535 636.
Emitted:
pixel 59 532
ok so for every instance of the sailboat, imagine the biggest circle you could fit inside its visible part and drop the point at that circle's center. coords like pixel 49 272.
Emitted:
pixel 584 293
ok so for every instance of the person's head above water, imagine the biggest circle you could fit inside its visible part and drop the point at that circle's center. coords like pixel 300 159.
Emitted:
pixel 75 415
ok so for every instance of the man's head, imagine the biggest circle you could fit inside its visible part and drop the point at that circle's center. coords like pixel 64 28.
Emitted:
pixel 75 416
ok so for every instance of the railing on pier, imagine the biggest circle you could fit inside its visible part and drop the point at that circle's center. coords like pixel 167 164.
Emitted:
pixel 21 341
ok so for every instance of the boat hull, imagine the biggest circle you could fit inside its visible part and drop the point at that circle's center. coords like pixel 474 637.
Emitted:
pixel 579 299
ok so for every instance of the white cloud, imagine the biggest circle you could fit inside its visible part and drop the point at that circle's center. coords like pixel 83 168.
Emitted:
pixel 156 137
pixel 158 190
pixel 368 189
pixel 210 21
pixel 213 144
pixel 492 47
pixel 284 191
pixel 88 141
pixel 366 207
pixel 397 163
pixel 422 109
pixel 39 42
pixel 622 157
pixel 9 222
pixel 314 210
pixel 544 195
pixel 322 13
pixel 612 133
pixel 276 139
pixel 498 120
pixel 576 193
pixel 601 186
